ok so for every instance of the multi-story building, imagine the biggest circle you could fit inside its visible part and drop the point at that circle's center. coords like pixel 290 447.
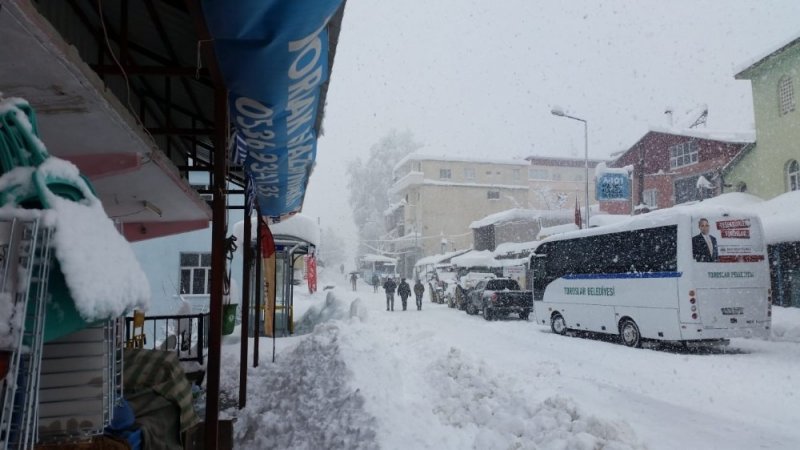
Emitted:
pixel 772 167
pixel 668 166
pixel 438 198
pixel 556 183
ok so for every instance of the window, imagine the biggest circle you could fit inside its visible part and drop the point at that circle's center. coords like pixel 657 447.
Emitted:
pixel 445 174
pixel 683 154
pixel 493 195
pixel 195 273
pixel 537 174
pixel 793 175
pixel 556 176
pixel 686 189
pixel 646 250
pixel 469 173
pixel 785 95
pixel 651 197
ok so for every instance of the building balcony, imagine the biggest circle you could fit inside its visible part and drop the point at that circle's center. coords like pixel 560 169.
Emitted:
pixel 409 180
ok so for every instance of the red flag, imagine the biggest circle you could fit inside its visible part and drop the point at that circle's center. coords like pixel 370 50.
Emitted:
pixel 267 241
pixel 311 274
pixel 577 213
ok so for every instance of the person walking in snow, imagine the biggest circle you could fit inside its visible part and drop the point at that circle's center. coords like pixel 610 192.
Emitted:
pixel 376 281
pixel 353 280
pixel 404 290
pixel 389 286
pixel 419 289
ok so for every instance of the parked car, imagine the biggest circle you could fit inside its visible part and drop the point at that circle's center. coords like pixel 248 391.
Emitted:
pixel 466 283
pixel 497 297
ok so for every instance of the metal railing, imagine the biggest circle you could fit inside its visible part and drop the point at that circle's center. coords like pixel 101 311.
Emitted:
pixel 185 334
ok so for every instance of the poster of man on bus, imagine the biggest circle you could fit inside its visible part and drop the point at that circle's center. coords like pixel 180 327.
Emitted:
pixel 726 239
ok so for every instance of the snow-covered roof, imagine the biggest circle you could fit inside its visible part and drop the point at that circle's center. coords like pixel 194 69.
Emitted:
pixel 556 229
pixel 732 136
pixel 436 259
pixel 428 181
pixel 764 55
pixel 297 227
pixel 599 220
pixel 561 161
pixel 519 214
pixel 449 158
pixel 779 216
pixel 370 257
pixel 602 168
pixel 475 258
pixel 507 248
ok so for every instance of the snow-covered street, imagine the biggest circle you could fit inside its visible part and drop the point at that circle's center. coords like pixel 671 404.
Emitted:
pixel 438 378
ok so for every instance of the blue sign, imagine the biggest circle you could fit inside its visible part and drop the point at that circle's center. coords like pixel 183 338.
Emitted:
pixel 613 187
pixel 273 55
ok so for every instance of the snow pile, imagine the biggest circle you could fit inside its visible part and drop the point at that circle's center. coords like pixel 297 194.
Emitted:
pixel 13 312
pixel 785 324
pixel 440 379
pixel 333 309
pixel 102 273
pixel 304 401
pixel 476 398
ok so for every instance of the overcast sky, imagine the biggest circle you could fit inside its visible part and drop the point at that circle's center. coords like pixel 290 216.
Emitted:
pixel 479 77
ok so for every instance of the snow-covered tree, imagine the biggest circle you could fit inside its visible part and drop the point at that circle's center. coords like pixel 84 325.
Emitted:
pixel 369 183
pixel 331 248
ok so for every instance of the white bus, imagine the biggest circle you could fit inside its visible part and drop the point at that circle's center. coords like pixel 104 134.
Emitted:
pixel 384 266
pixel 657 277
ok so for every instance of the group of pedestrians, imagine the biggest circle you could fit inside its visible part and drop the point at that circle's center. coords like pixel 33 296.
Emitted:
pixel 403 290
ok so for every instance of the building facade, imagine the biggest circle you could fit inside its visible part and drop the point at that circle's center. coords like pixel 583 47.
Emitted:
pixel 436 199
pixel 773 166
pixel 515 226
pixel 668 166
pixel 556 183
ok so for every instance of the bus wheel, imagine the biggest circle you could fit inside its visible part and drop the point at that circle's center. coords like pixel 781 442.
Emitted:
pixel 629 333
pixel 558 324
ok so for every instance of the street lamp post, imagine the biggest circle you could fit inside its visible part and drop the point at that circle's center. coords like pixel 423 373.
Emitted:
pixel 560 113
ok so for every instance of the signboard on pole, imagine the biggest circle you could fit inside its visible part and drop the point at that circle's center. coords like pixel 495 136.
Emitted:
pixel 613 186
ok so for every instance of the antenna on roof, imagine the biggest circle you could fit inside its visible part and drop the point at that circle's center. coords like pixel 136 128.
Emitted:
pixel 701 119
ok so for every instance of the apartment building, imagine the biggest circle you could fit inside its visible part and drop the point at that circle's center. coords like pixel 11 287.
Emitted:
pixel 555 183
pixel 436 199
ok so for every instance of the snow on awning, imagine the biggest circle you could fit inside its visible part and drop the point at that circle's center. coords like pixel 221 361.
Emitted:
pixel 476 258
pixel 275 61
pixel 297 228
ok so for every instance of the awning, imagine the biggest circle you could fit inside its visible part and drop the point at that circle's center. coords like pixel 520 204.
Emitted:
pixel 81 121
pixel 274 57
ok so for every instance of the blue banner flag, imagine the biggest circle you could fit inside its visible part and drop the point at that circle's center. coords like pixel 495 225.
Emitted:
pixel 274 58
